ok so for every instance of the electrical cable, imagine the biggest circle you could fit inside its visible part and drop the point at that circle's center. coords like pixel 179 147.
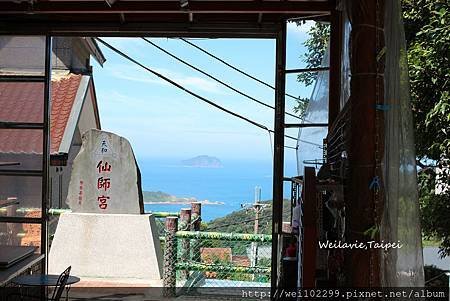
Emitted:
pixel 181 87
pixel 193 93
pixel 242 72
pixel 291 147
pixel 311 143
pixel 286 210
pixel 301 140
pixel 214 78
pixel 239 223
pixel 235 68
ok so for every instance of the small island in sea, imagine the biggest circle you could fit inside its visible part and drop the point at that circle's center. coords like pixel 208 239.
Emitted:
pixel 159 197
pixel 203 161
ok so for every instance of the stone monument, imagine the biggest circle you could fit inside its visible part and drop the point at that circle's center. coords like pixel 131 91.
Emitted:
pixel 106 235
pixel 105 177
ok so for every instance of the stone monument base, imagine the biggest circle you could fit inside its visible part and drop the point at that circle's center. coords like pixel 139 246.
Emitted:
pixel 107 246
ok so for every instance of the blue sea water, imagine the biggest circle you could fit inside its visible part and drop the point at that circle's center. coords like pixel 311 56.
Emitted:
pixel 233 184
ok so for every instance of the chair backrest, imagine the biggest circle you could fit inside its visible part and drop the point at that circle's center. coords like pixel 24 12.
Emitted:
pixel 61 284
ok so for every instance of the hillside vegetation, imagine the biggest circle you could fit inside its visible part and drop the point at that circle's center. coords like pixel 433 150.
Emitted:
pixel 243 221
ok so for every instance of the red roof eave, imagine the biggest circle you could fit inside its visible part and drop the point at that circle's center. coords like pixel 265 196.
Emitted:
pixel 23 102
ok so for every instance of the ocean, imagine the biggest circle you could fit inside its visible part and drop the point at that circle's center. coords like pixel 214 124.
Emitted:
pixel 233 184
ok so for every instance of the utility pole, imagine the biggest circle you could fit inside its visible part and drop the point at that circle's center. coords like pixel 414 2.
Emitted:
pixel 257 207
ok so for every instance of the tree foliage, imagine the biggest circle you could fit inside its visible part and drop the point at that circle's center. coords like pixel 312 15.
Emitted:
pixel 435 209
pixel 243 221
pixel 316 45
pixel 427 31
pixel 427 28
pixel 315 50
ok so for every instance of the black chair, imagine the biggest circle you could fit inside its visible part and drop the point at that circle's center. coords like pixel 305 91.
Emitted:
pixel 61 284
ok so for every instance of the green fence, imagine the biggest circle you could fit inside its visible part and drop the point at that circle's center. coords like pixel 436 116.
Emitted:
pixel 214 259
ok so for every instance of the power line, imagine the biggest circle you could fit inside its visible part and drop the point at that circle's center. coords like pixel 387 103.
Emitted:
pixel 195 94
pixel 301 140
pixel 187 90
pixel 181 87
pixel 215 78
pixel 239 223
pixel 287 136
pixel 290 147
pixel 311 143
pixel 269 216
pixel 235 68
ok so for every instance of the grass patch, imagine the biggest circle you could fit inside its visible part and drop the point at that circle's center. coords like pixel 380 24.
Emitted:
pixel 431 243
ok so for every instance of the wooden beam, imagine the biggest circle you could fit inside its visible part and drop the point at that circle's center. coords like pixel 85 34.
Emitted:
pixel 94 28
pixel 165 7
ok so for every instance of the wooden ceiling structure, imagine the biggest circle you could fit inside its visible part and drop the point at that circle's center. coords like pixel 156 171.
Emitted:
pixel 193 18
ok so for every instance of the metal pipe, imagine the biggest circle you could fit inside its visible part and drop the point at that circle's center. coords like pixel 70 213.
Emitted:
pixel 204 267
pixel 20 210
pixel 162 214
pixel 224 236
pixel 305 125
pixel 278 157
pixel 22 78
pixel 46 151
pixel 9 164
pixel 59 211
pixel 20 220
pixel 302 70
pixel 22 173
pixel 21 125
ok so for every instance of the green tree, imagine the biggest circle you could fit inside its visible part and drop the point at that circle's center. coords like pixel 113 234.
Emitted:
pixel 427 30
pixel 315 49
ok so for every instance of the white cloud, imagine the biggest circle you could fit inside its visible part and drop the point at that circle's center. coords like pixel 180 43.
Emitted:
pixel 111 95
pixel 137 74
pixel 130 44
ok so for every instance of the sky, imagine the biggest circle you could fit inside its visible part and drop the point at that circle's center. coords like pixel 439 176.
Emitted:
pixel 162 121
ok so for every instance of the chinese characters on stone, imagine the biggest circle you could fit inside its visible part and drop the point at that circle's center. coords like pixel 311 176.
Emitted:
pixel 104 147
pixel 103 168
pixel 103 183
pixel 102 201
pixel 80 194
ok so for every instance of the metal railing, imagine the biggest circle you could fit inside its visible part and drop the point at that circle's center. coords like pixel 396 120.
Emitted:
pixel 214 259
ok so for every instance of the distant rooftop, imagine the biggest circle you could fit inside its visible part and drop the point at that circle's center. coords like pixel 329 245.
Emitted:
pixel 23 102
